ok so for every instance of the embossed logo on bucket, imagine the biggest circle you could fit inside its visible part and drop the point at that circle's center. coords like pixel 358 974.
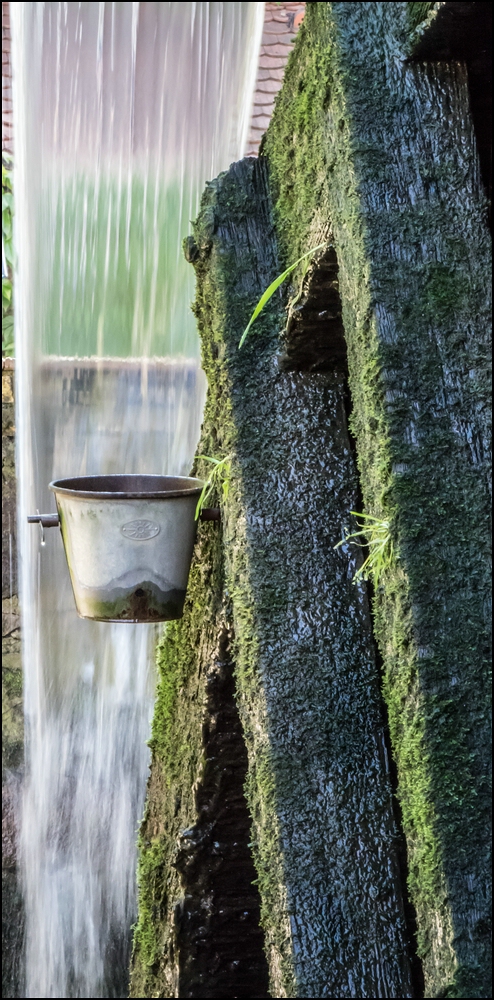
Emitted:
pixel 140 530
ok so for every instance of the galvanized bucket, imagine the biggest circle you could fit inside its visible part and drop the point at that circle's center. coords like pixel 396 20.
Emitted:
pixel 128 542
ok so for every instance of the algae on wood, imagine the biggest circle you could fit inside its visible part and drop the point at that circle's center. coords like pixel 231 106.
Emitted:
pixel 378 155
pixel 383 151
pixel 197 932
pixel 307 686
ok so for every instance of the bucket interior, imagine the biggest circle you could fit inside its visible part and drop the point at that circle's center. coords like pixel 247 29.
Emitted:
pixel 128 486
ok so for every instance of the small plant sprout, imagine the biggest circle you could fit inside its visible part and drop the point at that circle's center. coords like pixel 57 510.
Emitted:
pixel 377 538
pixel 219 478
pixel 265 297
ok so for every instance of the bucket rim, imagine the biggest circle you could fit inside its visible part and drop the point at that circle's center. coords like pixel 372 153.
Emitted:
pixel 146 487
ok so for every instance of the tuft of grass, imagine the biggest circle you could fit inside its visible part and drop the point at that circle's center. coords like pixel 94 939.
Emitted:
pixel 265 297
pixel 375 535
pixel 219 478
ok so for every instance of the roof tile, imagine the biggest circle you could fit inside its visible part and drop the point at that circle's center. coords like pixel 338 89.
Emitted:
pixel 280 38
pixel 271 62
pixel 264 75
pixel 277 49
pixel 271 85
pixel 275 27
pixel 261 100
pixel 277 43
pixel 261 121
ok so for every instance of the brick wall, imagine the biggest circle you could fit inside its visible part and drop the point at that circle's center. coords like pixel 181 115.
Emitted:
pixel 6 80
pixel 282 21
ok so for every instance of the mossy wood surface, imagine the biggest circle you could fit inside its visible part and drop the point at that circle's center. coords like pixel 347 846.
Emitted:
pixel 197 933
pixel 307 686
pixel 382 151
pixel 420 16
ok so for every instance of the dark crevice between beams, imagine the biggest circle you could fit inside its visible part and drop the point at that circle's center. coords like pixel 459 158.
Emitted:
pixel 315 341
pixel 462 32
pixel 314 336
pixel 219 939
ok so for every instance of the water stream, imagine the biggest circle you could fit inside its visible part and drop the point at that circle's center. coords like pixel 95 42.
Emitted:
pixel 122 111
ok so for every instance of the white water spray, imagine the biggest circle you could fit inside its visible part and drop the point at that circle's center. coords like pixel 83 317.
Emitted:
pixel 122 111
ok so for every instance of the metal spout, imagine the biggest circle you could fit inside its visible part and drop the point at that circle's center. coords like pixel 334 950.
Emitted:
pixel 45 520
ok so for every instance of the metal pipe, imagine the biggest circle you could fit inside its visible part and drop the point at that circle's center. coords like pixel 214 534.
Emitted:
pixel 46 520
pixel 210 514
pixel 53 520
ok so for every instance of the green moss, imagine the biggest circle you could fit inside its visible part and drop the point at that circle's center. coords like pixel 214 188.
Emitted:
pixel 220 333
pixel 420 14
pixel 290 661
pixel 468 981
pixel 274 520
pixel 177 760
pixel 415 323
pixel 154 864
pixel 406 714
pixel 412 284
pixel 12 687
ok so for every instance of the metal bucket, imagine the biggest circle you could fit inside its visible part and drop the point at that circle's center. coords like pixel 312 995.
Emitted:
pixel 128 542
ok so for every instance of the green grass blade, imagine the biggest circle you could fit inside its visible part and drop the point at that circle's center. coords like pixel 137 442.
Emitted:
pixel 204 497
pixel 351 538
pixel 218 477
pixel 379 545
pixel 273 287
pixel 368 517
pixel 216 461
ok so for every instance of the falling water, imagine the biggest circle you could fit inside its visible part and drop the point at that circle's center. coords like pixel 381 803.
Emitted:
pixel 121 112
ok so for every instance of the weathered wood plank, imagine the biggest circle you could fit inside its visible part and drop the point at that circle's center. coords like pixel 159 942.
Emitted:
pixel 307 683
pixel 383 150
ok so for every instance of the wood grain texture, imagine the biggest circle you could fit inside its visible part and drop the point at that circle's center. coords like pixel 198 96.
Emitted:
pixel 323 835
pixel 382 152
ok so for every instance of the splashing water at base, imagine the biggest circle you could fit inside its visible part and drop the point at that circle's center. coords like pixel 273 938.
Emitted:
pixel 87 773
pixel 122 111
